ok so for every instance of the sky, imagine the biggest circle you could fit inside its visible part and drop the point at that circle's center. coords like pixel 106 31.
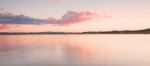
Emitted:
pixel 73 15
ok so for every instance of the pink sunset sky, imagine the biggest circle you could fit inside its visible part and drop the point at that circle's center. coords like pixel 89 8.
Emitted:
pixel 73 15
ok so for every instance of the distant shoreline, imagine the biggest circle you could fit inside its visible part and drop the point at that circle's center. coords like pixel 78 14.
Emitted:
pixel 63 33
pixel 51 33
pixel 144 31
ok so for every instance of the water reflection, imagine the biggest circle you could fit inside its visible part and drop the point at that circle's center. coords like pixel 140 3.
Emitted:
pixel 75 50
pixel 39 50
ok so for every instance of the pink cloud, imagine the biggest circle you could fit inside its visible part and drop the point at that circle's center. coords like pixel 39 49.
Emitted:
pixel 74 17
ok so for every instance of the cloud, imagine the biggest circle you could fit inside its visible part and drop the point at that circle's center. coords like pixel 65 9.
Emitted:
pixel 8 18
pixel 73 17
pixel 68 18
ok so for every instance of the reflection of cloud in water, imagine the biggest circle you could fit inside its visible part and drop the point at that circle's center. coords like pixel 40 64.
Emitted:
pixel 5 43
pixel 44 51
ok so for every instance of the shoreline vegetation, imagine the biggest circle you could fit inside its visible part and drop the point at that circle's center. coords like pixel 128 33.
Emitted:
pixel 144 31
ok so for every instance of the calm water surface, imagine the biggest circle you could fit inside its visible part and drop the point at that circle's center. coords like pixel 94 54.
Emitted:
pixel 75 50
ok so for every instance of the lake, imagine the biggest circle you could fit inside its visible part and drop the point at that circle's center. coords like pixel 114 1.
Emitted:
pixel 75 50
